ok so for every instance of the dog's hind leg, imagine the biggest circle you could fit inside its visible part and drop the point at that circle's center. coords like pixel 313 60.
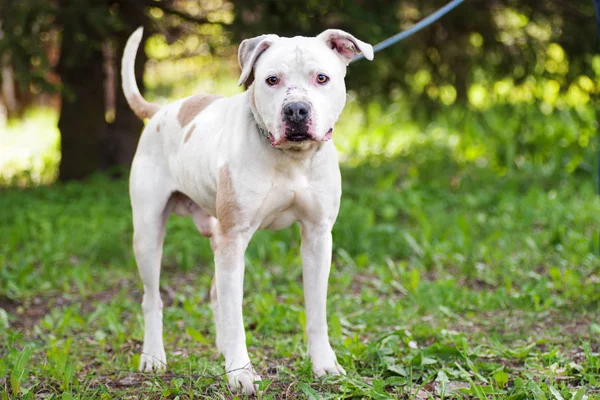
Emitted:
pixel 150 193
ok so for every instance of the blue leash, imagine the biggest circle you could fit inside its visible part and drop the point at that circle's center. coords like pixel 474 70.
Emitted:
pixel 417 27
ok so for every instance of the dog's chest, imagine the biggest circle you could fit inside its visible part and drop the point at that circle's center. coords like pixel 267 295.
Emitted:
pixel 287 201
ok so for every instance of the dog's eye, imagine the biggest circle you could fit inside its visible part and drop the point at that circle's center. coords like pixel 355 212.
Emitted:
pixel 322 79
pixel 272 80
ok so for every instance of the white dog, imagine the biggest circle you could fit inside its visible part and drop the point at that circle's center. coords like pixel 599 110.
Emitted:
pixel 262 159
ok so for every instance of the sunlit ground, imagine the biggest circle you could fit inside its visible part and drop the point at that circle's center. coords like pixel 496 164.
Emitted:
pixel 30 148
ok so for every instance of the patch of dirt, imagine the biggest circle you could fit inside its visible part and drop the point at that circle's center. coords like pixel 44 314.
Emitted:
pixel 7 304
pixel 557 325
pixel 28 314
pixel 25 315
pixel 359 281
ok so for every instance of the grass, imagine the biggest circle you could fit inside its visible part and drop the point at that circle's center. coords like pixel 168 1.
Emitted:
pixel 463 268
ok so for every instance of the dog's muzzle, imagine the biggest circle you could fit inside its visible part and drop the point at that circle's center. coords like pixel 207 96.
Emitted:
pixel 297 120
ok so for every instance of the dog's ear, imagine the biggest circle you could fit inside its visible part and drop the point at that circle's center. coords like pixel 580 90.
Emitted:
pixel 250 50
pixel 346 45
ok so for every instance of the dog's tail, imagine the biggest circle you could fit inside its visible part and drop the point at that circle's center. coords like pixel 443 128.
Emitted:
pixel 138 104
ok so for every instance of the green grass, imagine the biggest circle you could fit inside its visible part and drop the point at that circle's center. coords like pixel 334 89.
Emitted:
pixel 465 266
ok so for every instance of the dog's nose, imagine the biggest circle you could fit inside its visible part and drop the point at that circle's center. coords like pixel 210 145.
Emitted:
pixel 296 112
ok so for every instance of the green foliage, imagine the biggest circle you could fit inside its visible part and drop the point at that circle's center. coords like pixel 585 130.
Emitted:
pixel 19 372
pixel 26 29
pixel 523 51
pixel 478 43
pixel 32 31
pixel 31 36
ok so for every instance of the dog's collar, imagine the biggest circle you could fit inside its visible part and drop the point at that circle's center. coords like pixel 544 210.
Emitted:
pixel 253 114
pixel 263 131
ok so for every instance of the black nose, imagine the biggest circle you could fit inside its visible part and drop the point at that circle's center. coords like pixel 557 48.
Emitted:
pixel 296 112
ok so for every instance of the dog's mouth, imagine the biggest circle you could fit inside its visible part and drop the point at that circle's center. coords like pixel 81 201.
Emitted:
pixel 271 139
pixel 298 136
pixel 297 131
pixel 328 135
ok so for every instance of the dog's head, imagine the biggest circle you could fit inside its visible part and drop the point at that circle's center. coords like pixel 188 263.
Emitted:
pixel 299 90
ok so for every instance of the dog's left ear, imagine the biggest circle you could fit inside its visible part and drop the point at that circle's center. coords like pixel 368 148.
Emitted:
pixel 346 45
pixel 250 50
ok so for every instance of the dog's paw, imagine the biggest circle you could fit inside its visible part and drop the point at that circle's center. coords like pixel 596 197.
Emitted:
pixel 242 380
pixel 153 361
pixel 332 367
pixel 324 362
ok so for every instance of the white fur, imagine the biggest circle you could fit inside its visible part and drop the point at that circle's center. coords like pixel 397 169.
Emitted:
pixel 297 61
pixel 274 185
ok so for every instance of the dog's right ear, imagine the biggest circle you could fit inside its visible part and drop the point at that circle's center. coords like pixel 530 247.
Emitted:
pixel 250 50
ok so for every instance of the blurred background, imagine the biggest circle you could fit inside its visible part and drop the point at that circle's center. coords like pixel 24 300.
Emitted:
pixel 465 254
pixel 502 85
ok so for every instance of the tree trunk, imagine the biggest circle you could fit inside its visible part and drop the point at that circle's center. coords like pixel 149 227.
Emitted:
pixel 88 142
pixel 124 132
pixel 8 81
pixel 82 124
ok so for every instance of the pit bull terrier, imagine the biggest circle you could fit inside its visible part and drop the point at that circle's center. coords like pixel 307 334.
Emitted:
pixel 262 159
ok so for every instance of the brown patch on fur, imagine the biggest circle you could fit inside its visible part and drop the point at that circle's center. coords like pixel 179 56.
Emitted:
pixel 192 106
pixel 141 107
pixel 189 133
pixel 158 128
pixel 227 206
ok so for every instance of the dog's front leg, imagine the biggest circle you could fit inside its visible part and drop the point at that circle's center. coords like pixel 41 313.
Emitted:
pixel 316 262
pixel 229 275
